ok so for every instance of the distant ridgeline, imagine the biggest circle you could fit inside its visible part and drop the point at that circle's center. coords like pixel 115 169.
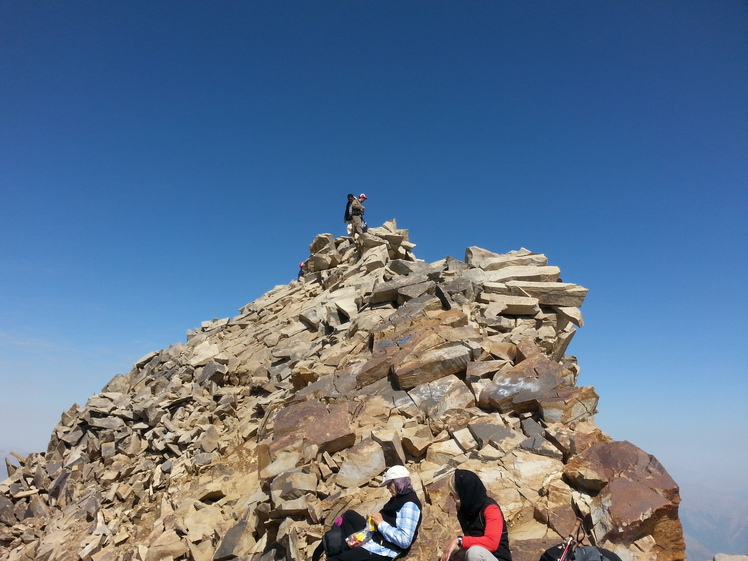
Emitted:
pixel 248 440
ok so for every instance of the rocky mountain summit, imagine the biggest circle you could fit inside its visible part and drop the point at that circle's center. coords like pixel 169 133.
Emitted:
pixel 248 440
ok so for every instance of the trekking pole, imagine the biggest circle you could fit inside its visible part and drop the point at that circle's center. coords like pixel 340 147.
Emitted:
pixel 570 541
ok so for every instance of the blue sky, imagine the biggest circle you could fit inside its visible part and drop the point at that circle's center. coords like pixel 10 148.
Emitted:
pixel 164 163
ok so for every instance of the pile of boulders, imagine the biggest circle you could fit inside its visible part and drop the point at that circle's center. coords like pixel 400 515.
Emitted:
pixel 248 440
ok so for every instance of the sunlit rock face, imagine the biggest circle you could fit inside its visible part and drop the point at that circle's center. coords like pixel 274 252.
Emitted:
pixel 248 440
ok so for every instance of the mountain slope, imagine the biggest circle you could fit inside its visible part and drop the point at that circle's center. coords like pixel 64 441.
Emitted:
pixel 250 438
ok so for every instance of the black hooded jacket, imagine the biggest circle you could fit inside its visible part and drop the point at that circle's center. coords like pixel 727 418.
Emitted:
pixel 473 502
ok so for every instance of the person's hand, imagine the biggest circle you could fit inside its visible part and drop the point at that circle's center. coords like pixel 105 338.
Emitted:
pixel 451 546
pixel 377 518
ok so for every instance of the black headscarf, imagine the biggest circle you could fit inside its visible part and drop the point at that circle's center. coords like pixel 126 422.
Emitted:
pixel 472 494
pixel 474 500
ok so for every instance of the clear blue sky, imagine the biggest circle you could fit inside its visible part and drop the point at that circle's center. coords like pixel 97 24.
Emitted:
pixel 164 163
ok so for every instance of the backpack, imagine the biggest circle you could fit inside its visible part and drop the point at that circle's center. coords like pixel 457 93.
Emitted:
pixel 333 541
pixel 580 553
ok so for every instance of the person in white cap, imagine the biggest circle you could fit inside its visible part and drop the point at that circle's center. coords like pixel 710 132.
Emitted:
pixel 397 522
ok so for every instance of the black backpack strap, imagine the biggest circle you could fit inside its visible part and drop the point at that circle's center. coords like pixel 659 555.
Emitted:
pixel 318 551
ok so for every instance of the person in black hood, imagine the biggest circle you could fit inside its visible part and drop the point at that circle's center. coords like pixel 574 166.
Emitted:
pixel 485 533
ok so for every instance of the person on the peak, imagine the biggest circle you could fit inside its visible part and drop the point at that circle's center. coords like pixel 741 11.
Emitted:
pixel 364 226
pixel 485 533
pixel 354 211
pixel 396 523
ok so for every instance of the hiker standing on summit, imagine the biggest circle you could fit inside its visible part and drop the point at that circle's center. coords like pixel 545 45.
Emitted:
pixel 354 210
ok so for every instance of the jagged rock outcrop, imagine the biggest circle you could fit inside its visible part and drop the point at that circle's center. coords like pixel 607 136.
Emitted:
pixel 246 441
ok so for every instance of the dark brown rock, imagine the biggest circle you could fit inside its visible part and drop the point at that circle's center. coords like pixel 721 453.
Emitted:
pixel 373 370
pixel 332 432
pixel 600 463
pixel 298 415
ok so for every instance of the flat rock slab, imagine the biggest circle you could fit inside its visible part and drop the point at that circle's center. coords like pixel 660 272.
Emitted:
pixel 328 429
pixel 362 463
pixel 516 390
pixel 331 432
pixel 388 291
pixel 568 404
pixel 552 293
pixel 512 306
pixel 237 542
pixel 489 261
pixel 433 365
pixel 441 395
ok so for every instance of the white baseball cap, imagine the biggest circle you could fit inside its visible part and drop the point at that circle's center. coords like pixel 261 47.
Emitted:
pixel 362 196
pixel 395 472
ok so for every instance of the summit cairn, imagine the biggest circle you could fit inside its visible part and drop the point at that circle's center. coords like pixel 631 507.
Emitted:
pixel 248 440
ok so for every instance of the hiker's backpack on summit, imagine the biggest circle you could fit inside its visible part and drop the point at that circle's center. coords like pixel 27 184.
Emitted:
pixel 580 553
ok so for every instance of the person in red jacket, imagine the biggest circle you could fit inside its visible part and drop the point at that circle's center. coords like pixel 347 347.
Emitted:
pixel 485 533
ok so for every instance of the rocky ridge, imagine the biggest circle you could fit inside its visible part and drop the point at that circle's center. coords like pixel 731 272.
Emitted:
pixel 246 441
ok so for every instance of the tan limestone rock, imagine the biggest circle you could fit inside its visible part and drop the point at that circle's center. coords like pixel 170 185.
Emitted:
pixel 434 364
pixel 436 398
pixel 513 306
pixel 447 452
pixel 489 261
pixel 525 273
pixel 362 463
pixel 392 446
pixel 236 543
pixel 552 293
pixel 574 315
pixel 168 545
pixel 484 369
pixel 515 389
pixel 568 405
pixel 416 440
pixel 199 525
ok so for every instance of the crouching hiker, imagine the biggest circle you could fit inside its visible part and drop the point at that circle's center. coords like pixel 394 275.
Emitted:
pixel 485 533
pixel 381 536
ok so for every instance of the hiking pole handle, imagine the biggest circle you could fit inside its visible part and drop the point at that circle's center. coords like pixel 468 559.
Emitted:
pixel 579 528
pixel 572 538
